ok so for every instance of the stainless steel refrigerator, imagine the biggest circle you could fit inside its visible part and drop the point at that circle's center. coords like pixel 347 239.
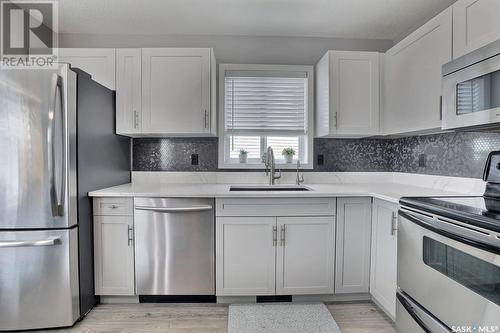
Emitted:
pixel 57 142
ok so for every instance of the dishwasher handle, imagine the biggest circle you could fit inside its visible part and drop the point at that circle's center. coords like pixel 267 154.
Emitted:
pixel 175 209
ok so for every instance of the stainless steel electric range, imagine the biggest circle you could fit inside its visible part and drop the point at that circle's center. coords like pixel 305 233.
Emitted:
pixel 449 261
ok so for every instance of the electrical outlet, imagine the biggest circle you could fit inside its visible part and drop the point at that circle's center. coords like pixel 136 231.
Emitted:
pixel 194 159
pixel 421 160
pixel 321 159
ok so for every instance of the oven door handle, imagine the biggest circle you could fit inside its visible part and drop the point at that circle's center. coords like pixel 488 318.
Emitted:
pixel 407 304
pixel 431 224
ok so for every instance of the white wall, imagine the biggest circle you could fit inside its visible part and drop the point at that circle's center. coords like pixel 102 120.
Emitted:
pixel 236 49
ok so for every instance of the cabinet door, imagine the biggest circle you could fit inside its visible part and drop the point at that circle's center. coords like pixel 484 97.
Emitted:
pixel 412 96
pixel 98 62
pixel 305 255
pixel 176 91
pixel 475 24
pixel 352 257
pixel 384 255
pixel 114 255
pixel 245 256
pixel 128 91
pixel 355 93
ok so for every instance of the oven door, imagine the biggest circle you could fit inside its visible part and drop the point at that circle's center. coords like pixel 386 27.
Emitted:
pixel 451 270
pixel 471 96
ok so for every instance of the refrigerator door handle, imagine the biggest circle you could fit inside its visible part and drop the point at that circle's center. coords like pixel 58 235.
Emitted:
pixel 29 243
pixel 56 195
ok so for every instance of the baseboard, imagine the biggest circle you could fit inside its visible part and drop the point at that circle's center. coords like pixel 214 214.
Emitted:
pixel 300 298
pixel 177 299
pixel 381 307
pixel 119 299
pixel 236 299
pixel 332 298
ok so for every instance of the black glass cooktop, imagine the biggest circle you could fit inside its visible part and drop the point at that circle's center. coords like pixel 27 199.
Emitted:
pixel 474 210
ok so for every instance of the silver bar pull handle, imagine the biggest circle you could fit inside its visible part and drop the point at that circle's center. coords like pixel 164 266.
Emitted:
pixel 136 119
pixel 130 235
pixel 175 209
pixel 440 107
pixel 206 119
pixel 56 195
pixel 394 223
pixel 30 243
pixel 275 235
pixel 282 235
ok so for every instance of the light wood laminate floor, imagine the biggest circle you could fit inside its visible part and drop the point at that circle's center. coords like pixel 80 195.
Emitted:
pixel 357 317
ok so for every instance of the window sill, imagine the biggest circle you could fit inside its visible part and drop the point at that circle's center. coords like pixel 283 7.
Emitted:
pixel 259 166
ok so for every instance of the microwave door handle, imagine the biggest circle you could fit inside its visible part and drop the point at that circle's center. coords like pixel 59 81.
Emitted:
pixel 175 209
pixel 56 195
pixel 409 308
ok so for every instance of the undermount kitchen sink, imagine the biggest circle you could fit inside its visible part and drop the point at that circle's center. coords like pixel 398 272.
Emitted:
pixel 268 188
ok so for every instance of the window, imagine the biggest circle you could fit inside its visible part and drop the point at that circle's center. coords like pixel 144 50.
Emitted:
pixel 262 106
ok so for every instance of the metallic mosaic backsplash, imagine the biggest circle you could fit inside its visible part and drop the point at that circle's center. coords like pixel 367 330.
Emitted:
pixel 461 154
pixel 449 154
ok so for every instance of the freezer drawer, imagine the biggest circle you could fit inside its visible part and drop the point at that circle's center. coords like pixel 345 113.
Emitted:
pixel 38 279
pixel 174 246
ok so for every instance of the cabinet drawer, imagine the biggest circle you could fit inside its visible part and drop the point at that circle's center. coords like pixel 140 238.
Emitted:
pixel 276 207
pixel 113 206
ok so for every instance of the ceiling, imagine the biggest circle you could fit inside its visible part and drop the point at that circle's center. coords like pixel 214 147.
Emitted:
pixel 373 19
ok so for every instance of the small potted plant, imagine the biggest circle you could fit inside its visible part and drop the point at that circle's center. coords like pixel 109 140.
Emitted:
pixel 243 156
pixel 288 154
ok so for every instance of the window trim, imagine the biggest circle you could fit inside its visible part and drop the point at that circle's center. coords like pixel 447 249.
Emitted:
pixel 309 115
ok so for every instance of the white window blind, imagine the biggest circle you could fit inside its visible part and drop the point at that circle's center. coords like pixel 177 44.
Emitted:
pixel 263 102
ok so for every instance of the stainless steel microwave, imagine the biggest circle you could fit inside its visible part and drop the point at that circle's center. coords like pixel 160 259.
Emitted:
pixel 471 89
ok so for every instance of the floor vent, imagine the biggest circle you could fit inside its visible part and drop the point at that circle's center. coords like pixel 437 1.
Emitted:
pixel 269 299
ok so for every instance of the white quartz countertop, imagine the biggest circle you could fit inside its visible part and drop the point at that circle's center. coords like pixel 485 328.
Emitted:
pixel 387 191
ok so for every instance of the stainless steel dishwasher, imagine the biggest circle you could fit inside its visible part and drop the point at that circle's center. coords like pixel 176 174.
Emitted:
pixel 174 246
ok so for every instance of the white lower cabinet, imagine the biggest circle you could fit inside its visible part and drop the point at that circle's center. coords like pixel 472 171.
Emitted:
pixel 305 255
pixel 114 247
pixel 276 255
pixel 352 262
pixel 114 260
pixel 384 255
pixel 245 256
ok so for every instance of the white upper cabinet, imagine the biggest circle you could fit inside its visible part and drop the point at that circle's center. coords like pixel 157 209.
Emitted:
pixel 352 255
pixel 412 77
pixel 384 255
pixel 178 92
pixel 98 62
pixel 347 94
pixel 475 24
pixel 128 91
